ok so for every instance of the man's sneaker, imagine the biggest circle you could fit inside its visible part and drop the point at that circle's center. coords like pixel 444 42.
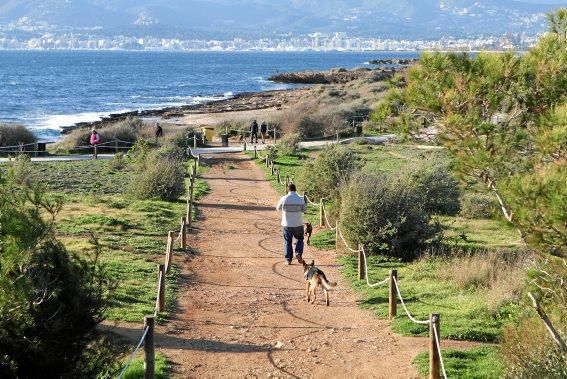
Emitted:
pixel 288 262
pixel 299 259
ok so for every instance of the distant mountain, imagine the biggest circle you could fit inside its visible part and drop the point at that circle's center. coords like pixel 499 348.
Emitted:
pixel 257 18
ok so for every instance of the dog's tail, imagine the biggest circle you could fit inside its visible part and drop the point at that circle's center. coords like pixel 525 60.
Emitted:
pixel 328 285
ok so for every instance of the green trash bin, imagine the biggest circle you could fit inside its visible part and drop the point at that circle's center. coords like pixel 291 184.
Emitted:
pixel 224 140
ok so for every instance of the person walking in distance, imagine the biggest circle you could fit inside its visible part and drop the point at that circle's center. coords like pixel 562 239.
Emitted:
pixel 264 131
pixel 159 131
pixel 254 131
pixel 292 207
pixel 95 139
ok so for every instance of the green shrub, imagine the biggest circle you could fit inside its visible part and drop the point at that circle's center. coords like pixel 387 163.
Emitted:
pixel 21 171
pixel 117 163
pixel 435 178
pixel 386 214
pixel 51 301
pixel 332 167
pixel 288 145
pixel 161 177
pixel 14 135
pixel 478 205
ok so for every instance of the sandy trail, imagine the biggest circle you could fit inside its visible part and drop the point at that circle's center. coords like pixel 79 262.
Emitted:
pixel 241 311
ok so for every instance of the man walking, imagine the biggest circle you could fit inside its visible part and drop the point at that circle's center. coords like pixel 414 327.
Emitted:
pixel 254 131
pixel 263 131
pixel 292 207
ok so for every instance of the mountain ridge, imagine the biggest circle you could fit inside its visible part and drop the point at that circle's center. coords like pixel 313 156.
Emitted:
pixel 264 18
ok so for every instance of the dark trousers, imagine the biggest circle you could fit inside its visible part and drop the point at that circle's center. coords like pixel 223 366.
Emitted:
pixel 252 136
pixel 290 232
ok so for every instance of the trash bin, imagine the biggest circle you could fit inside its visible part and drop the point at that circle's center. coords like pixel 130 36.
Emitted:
pixel 224 140
pixel 358 130
pixel 209 134
pixel 41 149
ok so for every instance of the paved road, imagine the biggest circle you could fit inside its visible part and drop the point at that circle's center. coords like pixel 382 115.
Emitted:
pixel 217 150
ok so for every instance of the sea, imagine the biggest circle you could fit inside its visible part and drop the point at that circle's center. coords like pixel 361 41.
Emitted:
pixel 45 90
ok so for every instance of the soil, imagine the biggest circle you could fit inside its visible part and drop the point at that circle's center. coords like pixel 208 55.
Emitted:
pixel 242 312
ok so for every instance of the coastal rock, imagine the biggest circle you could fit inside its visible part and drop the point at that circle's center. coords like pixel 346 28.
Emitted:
pixel 336 76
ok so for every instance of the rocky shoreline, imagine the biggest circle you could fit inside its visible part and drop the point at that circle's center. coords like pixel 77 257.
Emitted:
pixel 240 102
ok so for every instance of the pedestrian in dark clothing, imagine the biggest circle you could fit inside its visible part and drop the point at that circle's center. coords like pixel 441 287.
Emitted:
pixel 159 131
pixel 264 131
pixel 254 131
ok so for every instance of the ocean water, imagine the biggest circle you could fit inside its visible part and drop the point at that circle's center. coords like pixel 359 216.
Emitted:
pixel 49 89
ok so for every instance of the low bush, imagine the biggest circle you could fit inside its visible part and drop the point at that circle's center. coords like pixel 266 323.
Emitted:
pixel 288 145
pixel 14 135
pixel 435 178
pixel 478 205
pixel 117 163
pixel 161 177
pixel 387 214
pixel 21 171
pixel 323 176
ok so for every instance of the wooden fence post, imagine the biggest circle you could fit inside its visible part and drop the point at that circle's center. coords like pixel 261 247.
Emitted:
pixel 434 359
pixel 337 244
pixel 278 177
pixel 286 182
pixel 255 152
pixel 95 152
pixel 321 213
pixel 393 295
pixel 189 213
pixel 267 161
pixel 149 351
pixel 361 264
pixel 198 160
pixel 194 173
pixel 245 145
pixel 169 251
pixel 116 146
pixel 183 234
pixel 337 136
pixel 35 150
pixel 161 288
pixel 194 141
pixel 272 167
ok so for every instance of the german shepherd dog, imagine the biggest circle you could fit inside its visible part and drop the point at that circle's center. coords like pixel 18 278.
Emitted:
pixel 313 277
pixel 308 232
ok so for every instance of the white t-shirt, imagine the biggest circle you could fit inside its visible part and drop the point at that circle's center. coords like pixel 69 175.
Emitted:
pixel 292 207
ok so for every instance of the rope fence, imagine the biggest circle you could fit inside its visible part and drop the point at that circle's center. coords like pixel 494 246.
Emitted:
pixel 147 338
pixel 436 364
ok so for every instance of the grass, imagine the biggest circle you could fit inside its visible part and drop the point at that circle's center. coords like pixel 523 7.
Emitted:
pixel 132 233
pixel 478 362
pixel 136 368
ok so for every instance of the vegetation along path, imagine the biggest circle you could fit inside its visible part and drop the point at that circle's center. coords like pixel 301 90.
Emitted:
pixel 242 311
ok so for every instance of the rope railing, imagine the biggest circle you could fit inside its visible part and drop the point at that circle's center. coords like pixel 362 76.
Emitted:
pixel 366 272
pixel 438 345
pixel 405 308
pixel 136 350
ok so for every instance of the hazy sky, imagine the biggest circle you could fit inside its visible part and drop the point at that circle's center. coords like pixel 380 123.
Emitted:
pixel 561 2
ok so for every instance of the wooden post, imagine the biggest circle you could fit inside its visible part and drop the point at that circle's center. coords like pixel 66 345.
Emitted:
pixel 278 176
pixel 274 135
pixel 198 160
pixel 434 359
pixel 272 167
pixel 194 141
pixel 116 146
pixel 361 264
pixel 393 295
pixel 35 150
pixel 161 288
pixel 149 351
pixel 183 234
pixel 194 172
pixel 189 213
pixel 244 145
pixel 169 251
pixel 255 152
pixel 286 182
pixel 267 161
pixel 337 136
pixel 337 244
pixel 95 152
pixel 321 213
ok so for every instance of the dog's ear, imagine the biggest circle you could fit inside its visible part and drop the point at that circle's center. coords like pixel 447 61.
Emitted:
pixel 312 263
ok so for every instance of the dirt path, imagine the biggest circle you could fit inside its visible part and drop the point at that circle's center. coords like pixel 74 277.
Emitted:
pixel 242 312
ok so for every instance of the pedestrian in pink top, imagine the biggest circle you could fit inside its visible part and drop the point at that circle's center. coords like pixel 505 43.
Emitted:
pixel 95 139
